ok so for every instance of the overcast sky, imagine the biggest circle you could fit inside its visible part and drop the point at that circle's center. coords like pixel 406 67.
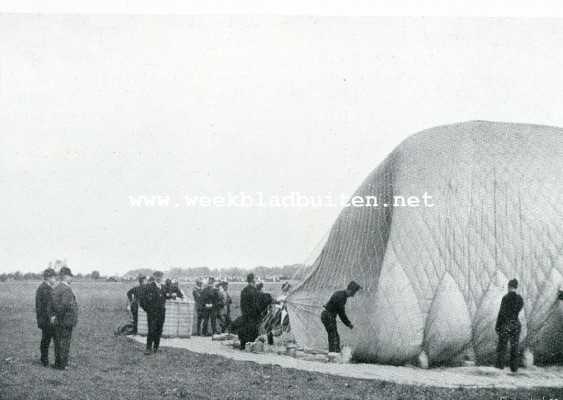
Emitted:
pixel 94 110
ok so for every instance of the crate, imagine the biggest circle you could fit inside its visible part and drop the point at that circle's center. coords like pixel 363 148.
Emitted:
pixel 178 321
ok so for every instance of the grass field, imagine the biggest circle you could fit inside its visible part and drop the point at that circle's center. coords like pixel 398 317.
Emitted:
pixel 107 367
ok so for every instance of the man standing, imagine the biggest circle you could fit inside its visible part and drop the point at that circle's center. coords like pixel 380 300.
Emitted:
pixel 153 302
pixel 209 300
pixel 248 331
pixel 45 312
pixel 198 305
pixel 336 306
pixel 263 299
pixel 508 326
pixel 66 315
pixel 134 296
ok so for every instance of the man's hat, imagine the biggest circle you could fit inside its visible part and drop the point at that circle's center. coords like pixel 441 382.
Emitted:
pixel 141 277
pixel 49 272
pixel 250 277
pixel 513 283
pixel 353 287
pixel 259 285
pixel 157 274
pixel 65 271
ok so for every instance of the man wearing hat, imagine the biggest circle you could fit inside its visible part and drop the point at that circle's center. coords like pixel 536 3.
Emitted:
pixel 508 326
pixel 153 301
pixel 209 300
pixel 45 312
pixel 336 306
pixel 66 314
pixel 248 331
pixel 134 295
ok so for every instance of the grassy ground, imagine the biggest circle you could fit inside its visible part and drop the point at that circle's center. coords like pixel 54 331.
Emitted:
pixel 108 367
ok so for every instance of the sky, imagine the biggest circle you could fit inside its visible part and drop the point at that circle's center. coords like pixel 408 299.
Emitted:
pixel 98 110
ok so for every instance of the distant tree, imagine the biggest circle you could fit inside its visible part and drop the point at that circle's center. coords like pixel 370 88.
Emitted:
pixel 17 276
pixel 95 275
pixel 3 277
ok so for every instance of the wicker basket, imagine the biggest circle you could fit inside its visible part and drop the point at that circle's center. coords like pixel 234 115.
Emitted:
pixel 178 321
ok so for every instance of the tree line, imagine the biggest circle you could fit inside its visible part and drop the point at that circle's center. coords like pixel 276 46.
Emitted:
pixel 286 272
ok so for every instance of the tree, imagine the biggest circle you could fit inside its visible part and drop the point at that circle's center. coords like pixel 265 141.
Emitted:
pixel 95 275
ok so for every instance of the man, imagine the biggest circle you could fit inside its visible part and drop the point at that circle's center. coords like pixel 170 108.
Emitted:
pixel 45 312
pixel 66 317
pixel 508 326
pixel 248 331
pixel 264 299
pixel 134 296
pixel 224 306
pixel 336 306
pixel 173 291
pixel 209 300
pixel 153 302
pixel 198 304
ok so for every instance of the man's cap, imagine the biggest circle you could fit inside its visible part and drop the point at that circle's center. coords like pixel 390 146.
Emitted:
pixel 157 274
pixel 210 280
pixel 65 271
pixel 513 283
pixel 141 277
pixel 49 272
pixel 250 277
pixel 259 285
pixel 353 287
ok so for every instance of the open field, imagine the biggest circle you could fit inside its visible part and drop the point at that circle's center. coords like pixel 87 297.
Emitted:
pixel 108 367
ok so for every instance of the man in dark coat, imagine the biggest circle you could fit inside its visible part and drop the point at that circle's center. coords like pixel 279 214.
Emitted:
pixel 209 301
pixel 198 304
pixel 134 296
pixel 66 317
pixel 45 312
pixel 248 329
pixel 263 299
pixel 508 326
pixel 336 306
pixel 153 302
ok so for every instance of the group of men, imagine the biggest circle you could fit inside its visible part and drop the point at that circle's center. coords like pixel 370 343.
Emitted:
pixel 151 296
pixel 170 288
pixel 57 314
pixel 254 303
pixel 212 304
pixel 507 326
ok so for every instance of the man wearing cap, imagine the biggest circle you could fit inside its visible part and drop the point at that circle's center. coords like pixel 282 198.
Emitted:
pixel 508 326
pixel 209 300
pixel 66 317
pixel 153 301
pixel 248 331
pixel 45 312
pixel 134 295
pixel 336 306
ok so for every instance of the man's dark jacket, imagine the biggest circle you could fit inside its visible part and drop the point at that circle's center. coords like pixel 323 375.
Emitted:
pixel 44 305
pixel 337 306
pixel 249 302
pixel 153 299
pixel 134 294
pixel 510 307
pixel 263 300
pixel 209 295
pixel 65 306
